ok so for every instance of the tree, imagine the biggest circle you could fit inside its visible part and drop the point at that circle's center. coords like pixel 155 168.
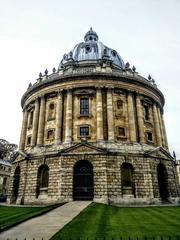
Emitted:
pixel 7 150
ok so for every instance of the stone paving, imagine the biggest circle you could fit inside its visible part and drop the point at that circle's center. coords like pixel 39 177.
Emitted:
pixel 47 225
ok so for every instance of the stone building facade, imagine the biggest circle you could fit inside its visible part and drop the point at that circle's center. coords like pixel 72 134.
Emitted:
pixel 93 129
pixel 178 169
pixel 5 170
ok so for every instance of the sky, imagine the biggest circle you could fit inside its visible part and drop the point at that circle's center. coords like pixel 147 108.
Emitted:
pixel 34 35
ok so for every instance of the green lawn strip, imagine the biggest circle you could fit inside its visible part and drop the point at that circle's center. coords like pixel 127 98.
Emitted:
pixel 100 220
pixel 11 216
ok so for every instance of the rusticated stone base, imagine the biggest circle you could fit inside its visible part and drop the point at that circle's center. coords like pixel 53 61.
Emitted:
pixel 107 176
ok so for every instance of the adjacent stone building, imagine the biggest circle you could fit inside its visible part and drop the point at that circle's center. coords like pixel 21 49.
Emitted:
pixel 178 169
pixel 5 170
pixel 93 129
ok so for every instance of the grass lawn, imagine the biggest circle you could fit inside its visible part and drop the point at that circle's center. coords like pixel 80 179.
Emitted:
pixel 11 216
pixel 100 220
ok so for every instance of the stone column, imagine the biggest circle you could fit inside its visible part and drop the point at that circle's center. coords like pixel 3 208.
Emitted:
pixel 23 130
pixel 161 127
pixel 99 113
pixel 164 131
pixel 156 125
pixel 35 123
pixel 29 116
pixel 40 137
pixel 59 114
pixel 140 119
pixel 131 117
pixel 68 130
pixel 110 115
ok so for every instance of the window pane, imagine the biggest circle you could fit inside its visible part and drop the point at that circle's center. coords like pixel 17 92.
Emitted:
pixel 84 106
pixel 146 112
pixel 84 131
pixel 149 136
pixel 121 131
pixel 119 104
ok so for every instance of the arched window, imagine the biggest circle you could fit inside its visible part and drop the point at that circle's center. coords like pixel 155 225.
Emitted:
pixel 127 181
pixel 16 181
pixel 42 179
pixel 51 111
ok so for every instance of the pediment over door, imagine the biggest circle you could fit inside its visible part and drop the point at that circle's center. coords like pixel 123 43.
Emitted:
pixel 158 152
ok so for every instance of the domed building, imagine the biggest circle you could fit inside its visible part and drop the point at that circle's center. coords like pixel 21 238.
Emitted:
pixel 93 129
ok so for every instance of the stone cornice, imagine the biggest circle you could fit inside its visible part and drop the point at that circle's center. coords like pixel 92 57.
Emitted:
pixel 120 76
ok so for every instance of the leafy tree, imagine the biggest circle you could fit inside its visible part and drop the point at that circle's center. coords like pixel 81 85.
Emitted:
pixel 7 150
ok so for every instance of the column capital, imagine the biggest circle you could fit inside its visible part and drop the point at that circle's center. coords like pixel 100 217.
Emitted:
pixel 138 94
pixel 42 96
pixel 99 87
pixel 24 109
pixel 109 88
pixel 69 90
pixel 60 92
pixel 130 91
pixel 36 99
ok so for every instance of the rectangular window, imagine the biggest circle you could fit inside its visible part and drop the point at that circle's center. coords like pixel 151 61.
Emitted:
pixel 4 181
pixel 121 132
pixel 31 118
pixel 84 131
pixel 29 140
pixel 146 112
pixel 119 104
pixel 50 135
pixel 84 106
pixel 149 136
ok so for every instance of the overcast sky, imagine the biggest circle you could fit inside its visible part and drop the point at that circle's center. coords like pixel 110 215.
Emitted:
pixel 34 35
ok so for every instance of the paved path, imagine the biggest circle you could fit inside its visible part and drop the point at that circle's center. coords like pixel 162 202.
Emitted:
pixel 47 225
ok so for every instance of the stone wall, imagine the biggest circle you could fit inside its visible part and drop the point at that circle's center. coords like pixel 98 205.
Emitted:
pixel 107 178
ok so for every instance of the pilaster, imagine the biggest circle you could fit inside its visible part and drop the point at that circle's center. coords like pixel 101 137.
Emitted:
pixel 59 114
pixel 40 137
pixel 99 113
pixel 131 117
pixel 68 130
pixel 23 130
pixel 157 126
pixel 35 123
pixel 140 119
pixel 110 115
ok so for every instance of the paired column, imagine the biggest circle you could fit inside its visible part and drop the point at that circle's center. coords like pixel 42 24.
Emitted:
pixel 164 131
pixel 35 123
pixel 110 115
pixel 59 113
pixel 99 113
pixel 68 130
pixel 40 137
pixel 23 130
pixel 140 119
pixel 157 125
pixel 161 127
pixel 131 117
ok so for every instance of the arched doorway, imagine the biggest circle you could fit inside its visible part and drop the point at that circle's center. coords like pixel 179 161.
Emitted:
pixel 127 181
pixel 42 180
pixel 16 181
pixel 162 181
pixel 83 183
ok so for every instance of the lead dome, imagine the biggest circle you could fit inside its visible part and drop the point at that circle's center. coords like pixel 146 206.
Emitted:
pixel 91 51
